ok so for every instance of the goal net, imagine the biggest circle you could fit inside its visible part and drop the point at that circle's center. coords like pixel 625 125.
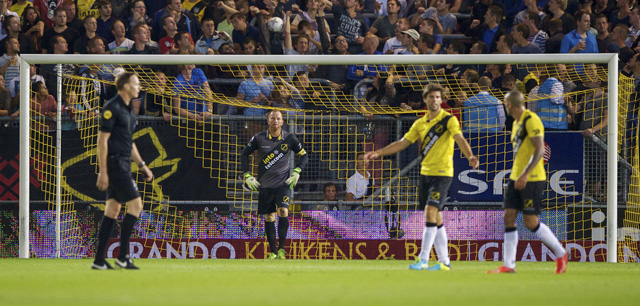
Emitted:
pixel 191 136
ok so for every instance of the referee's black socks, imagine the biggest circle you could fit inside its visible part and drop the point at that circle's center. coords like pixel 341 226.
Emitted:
pixel 270 231
pixel 127 227
pixel 283 228
pixel 104 233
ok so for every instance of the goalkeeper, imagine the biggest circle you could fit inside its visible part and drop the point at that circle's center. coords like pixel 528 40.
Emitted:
pixel 274 182
pixel 438 131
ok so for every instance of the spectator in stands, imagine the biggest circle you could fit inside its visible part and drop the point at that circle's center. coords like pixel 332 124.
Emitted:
pixel 455 47
pixel 385 26
pixel 330 194
pixel 157 101
pixel 602 7
pixel 491 30
pixel 336 74
pixel 120 44
pixel 427 26
pixel 579 40
pixel 10 60
pixel 75 23
pixel 60 28
pixel 43 104
pixel 479 12
pixel 593 108
pixel 287 96
pixel 14 84
pixel 211 39
pixel 195 7
pixel 556 9
pixel 536 36
pixel 96 45
pixel 229 8
pixel 183 44
pixel 409 39
pixel 484 112
pixel 479 47
pixel 185 20
pixel 587 6
pixel 531 7
pixel 167 43
pixel 138 14
pixel 255 90
pixel 505 43
pixel 140 39
pixel 33 27
pixel 621 14
pixel 13 29
pixel 426 44
pixel 19 6
pixel 359 72
pixel 50 71
pixel 310 15
pixel 192 82
pixel 618 36
pixel 46 9
pixel 242 30
pixel 554 42
pixel 394 43
pixel 5 99
pixel 92 95
pixel 360 184
pixel 634 31
pixel 90 26
pixel 520 34
pixel 300 48
pixel 494 73
pixel 251 47
pixel 547 101
pixel 446 22
pixel 105 20
pixel 350 24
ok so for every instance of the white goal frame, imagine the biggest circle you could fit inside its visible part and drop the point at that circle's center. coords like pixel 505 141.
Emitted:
pixel 611 59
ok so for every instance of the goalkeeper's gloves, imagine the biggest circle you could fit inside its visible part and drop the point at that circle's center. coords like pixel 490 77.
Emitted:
pixel 251 182
pixel 293 179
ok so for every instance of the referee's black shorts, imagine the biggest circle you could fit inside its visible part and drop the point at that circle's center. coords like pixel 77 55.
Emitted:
pixel 528 200
pixel 433 190
pixel 270 199
pixel 122 187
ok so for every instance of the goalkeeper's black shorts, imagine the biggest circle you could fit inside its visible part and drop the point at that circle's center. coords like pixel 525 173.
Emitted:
pixel 433 190
pixel 122 187
pixel 269 199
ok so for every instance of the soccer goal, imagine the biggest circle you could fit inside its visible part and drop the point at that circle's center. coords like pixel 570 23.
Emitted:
pixel 191 137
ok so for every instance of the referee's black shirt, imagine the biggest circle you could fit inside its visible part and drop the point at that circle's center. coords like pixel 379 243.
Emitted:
pixel 119 120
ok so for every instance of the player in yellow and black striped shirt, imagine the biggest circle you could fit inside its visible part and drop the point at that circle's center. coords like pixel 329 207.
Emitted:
pixel 526 185
pixel 438 130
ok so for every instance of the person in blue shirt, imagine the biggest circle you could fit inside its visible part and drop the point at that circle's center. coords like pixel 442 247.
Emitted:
pixel 189 84
pixel 580 40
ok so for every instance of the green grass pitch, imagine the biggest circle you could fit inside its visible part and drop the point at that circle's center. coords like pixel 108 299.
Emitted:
pixel 312 282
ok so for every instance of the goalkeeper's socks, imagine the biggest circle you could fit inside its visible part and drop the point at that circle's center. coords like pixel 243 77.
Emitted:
pixel 510 246
pixel 441 245
pixel 428 237
pixel 549 239
pixel 283 228
pixel 270 231
pixel 104 233
pixel 127 227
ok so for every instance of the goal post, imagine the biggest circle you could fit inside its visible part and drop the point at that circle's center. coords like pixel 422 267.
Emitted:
pixel 611 60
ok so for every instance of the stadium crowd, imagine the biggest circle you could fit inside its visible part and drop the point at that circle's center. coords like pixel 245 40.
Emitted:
pixel 391 27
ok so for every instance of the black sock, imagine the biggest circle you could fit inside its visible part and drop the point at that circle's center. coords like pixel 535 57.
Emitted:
pixel 125 233
pixel 283 228
pixel 104 233
pixel 270 230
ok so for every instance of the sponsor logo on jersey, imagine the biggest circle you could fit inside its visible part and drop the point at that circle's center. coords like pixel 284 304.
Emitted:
pixel 107 115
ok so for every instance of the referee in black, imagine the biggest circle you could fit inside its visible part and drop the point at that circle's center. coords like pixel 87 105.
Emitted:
pixel 116 150
pixel 275 147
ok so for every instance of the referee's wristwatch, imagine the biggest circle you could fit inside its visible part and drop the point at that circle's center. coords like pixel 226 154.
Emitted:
pixel 141 164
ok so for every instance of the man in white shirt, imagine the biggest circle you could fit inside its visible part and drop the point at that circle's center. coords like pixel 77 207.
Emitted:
pixel 360 184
